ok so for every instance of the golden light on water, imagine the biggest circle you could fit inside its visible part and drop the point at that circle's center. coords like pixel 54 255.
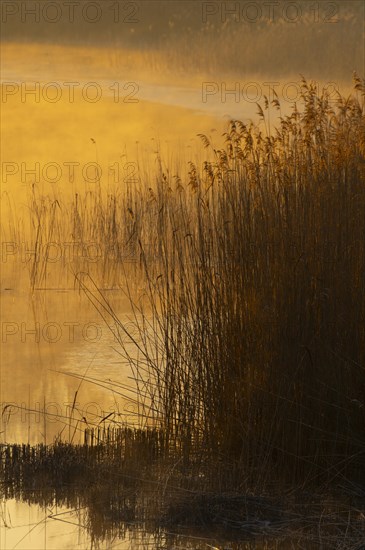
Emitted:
pixel 115 133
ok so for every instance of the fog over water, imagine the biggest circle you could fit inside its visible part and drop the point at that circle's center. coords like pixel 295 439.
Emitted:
pixel 116 85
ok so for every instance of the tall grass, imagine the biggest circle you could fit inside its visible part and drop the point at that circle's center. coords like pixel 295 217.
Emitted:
pixel 258 299
pixel 251 345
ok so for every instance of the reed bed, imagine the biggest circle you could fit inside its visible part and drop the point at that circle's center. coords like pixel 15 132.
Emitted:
pixel 251 350
pixel 257 298
pixel 123 486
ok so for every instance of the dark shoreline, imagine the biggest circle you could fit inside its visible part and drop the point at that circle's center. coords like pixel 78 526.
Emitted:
pixel 133 481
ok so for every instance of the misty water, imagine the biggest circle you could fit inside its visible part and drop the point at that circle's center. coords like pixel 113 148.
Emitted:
pixel 60 366
pixel 51 334
pixel 54 327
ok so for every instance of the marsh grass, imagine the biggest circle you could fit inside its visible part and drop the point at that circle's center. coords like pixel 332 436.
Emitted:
pixel 121 482
pixel 251 350
pixel 258 298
